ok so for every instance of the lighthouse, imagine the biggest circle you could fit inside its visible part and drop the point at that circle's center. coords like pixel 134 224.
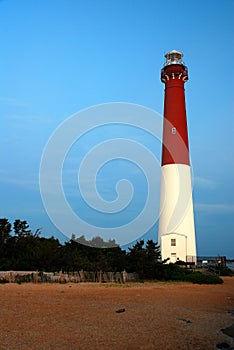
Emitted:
pixel 176 233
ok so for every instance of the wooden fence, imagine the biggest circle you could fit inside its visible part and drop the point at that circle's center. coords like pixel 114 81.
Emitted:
pixel 61 277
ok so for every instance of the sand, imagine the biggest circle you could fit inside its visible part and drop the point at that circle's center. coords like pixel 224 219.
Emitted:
pixel 83 316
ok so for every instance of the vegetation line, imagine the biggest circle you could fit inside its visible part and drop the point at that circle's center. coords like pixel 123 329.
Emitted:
pixel 24 250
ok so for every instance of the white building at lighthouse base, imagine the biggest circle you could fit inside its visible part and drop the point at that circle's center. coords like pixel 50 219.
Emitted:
pixel 176 222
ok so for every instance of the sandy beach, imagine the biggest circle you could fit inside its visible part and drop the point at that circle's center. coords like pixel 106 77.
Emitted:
pixel 83 316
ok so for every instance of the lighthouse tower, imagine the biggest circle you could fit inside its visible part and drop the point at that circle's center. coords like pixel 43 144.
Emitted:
pixel 176 221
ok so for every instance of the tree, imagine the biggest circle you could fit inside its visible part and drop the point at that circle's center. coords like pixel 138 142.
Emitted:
pixel 137 258
pixel 153 251
pixel 5 229
pixel 117 259
pixel 145 260
pixel 153 254
pixel 21 228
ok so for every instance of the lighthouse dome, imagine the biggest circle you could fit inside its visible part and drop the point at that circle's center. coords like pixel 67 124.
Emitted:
pixel 173 57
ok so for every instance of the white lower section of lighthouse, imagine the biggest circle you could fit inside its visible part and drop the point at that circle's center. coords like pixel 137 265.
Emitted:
pixel 176 233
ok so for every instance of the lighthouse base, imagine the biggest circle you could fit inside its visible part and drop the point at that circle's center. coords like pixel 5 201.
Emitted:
pixel 176 222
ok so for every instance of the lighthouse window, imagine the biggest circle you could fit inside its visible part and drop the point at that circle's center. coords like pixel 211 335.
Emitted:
pixel 173 130
pixel 173 242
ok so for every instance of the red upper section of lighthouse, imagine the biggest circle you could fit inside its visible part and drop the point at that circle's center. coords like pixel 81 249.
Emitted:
pixel 175 135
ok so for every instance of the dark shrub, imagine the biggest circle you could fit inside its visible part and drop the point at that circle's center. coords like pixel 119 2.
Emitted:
pixel 200 278
pixel 3 280
pixel 225 271
pixel 173 272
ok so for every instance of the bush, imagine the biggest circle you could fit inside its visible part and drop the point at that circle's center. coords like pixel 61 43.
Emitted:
pixel 173 272
pixel 200 278
pixel 225 271
pixel 168 272
pixel 3 280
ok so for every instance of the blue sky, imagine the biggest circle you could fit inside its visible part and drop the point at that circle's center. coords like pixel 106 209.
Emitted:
pixel 60 57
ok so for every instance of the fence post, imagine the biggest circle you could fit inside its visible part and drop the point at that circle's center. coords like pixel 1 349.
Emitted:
pixel 100 276
pixel 125 275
